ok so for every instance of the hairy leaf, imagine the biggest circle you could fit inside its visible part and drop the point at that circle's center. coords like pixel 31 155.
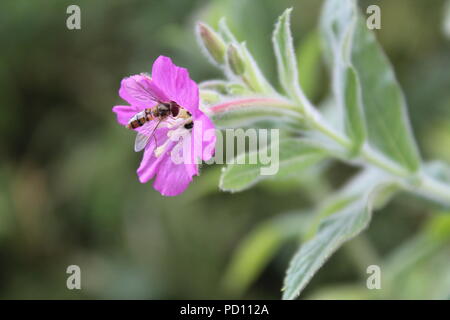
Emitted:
pixel 346 215
pixel 285 55
pixel 355 124
pixel 294 155
pixel 384 104
pixel 333 232
pixel 337 30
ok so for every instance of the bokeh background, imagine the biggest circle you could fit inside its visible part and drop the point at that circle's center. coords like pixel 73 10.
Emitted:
pixel 68 189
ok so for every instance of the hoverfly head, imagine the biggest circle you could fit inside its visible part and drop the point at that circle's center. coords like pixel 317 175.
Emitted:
pixel 163 110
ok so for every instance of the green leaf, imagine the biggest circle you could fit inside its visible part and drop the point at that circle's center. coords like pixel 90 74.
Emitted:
pixel 258 248
pixel 333 232
pixel 345 216
pixel 285 55
pixel 338 34
pixel 294 155
pixel 384 104
pixel 352 191
pixel 355 125
pixel 337 19
pixel 330 207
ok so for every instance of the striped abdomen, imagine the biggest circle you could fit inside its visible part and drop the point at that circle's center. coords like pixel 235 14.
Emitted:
pixel 139 119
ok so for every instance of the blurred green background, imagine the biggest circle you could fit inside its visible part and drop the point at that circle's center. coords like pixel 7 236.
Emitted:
pixel 69 193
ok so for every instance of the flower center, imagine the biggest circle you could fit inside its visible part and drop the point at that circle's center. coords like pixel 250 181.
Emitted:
pixel 179 128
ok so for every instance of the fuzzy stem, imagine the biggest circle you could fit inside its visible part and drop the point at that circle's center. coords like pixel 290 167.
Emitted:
pixel 249 102
pixel 433 189
pixel 418 183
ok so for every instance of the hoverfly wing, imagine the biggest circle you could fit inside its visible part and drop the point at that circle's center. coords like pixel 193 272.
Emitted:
pixel 144 134
pixel 141 141
pixel 141 90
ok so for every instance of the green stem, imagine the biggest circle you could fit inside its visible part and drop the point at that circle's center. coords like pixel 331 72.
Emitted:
pixel 255 102
pixel 374 157
pixel 418 183
pixel 433 189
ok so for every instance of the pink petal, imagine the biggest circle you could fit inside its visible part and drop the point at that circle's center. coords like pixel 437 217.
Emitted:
pixel 141 92
pixel 124 113
pixel 186 152
pixel 199 145
pixel 204 131
pixel 175 83
pixel 150 163
pixel 149 166
pixel 172 179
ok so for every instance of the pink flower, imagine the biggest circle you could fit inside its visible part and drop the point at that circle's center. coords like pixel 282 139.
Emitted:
pixel 176 144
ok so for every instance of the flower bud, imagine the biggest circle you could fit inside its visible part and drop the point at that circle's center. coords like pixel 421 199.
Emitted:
pixel 212 42
pixel 235 60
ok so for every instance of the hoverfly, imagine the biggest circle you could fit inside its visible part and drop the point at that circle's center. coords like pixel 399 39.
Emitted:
pixel 160 112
